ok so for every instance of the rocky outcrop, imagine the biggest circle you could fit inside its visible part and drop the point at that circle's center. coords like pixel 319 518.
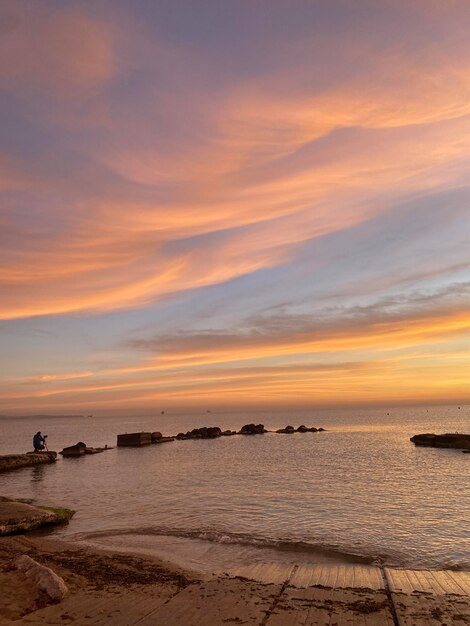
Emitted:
pixel 17 461
pixel 253 429
pixel 43 577
pixel 206 432
pixel 19 517
pixel 289 430
pixel 157 437
pixel 79 449
pixel 448 440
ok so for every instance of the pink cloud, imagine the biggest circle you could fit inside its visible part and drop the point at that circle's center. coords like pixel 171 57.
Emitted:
pixel 49 48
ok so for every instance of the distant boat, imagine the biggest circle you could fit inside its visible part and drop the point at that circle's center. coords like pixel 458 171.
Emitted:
pixel 89 415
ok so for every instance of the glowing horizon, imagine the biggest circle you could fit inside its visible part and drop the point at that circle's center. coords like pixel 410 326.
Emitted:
pixel 225 205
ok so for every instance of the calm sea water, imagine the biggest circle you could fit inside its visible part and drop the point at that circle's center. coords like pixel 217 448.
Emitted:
pixel 360 490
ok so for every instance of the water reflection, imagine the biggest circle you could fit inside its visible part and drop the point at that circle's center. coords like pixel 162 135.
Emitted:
pixel 37 473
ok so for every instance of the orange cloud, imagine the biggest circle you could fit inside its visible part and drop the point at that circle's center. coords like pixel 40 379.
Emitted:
pixel 364 361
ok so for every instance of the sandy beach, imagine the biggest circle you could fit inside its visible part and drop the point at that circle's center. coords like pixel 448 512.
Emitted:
pixel 106 587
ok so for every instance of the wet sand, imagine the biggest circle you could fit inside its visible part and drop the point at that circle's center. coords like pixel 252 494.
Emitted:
pixel 107 587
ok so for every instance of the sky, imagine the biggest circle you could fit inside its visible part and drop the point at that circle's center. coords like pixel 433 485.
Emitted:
pixel 249 203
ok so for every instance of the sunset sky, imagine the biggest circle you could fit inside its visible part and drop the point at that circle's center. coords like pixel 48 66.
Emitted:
pixel 240 203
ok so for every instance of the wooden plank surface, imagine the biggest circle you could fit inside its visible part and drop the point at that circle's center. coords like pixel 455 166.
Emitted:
pixel 430 598
pixel 276 573
pixel 338 576
pixel 428 581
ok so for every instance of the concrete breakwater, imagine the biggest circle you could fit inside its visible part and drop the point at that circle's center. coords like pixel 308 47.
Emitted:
pixel 206 432
pixel 16 461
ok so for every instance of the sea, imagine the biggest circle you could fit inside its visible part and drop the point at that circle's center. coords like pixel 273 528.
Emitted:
pixel 358 492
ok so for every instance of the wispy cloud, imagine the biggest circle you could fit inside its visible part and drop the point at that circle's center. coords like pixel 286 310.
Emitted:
pixel 148 171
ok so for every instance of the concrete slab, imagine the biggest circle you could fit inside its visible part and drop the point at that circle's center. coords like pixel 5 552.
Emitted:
pixel 214 603
pixel 331 607
pixel 101 608
pixel 424 609
pixel 431 598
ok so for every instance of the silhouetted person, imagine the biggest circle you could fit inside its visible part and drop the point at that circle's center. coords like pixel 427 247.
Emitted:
pixel 39 442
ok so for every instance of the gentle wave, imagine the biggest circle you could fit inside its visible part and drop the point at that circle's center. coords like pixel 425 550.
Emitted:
pixel 283 545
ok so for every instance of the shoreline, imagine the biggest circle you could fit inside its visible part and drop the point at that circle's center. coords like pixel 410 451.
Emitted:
pixel 118 587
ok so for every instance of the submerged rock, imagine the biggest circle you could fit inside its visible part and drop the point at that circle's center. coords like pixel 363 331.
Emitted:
pixel 448 440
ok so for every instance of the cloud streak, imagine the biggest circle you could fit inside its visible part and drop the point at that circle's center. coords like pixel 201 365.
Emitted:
pixel 151 175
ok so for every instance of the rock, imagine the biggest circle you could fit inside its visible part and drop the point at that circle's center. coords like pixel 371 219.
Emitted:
pixel 228 433
pixel 206 432
pixel 79 449
pixel 164 440
pixel 17 461
pixel 19 517
pixel 45 579
pixel 288 430
pixel 320 430
pixel 134 439
pixel 155 436
pixel 448 440
pixel 252 429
